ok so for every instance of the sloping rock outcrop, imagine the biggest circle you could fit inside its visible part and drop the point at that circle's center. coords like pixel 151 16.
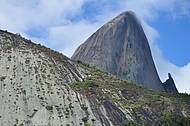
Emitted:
pixel 41 87
pixel 34 87
pixel 120 47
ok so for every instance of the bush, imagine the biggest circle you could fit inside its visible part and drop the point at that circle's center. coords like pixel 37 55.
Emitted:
pixel 87 124
pixel 131 123
pixel 169 119
pixel 88 83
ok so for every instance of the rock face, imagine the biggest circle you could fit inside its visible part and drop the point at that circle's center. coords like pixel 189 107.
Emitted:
pixel 169 85
pixel 41 87
pixel 34 87
pixel 121 48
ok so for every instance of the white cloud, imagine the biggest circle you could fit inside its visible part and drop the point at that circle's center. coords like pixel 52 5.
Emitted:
pixel 21 15
pixel 71 35
pixel 148 9
pixel 65 35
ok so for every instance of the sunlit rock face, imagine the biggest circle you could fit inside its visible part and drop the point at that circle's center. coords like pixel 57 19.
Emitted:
pixel 34 87
pixel 121 48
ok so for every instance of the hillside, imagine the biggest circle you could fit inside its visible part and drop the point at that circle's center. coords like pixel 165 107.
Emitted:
pixel 139 105
pixel 40 86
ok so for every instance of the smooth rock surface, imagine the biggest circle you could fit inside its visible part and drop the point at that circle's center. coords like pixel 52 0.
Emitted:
pixel 121 48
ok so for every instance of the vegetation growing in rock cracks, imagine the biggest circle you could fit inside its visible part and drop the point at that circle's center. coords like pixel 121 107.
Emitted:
pixel 147 107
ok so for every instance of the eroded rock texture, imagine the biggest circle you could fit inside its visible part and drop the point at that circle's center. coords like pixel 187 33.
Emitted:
pixel 121 48
pixel 34 87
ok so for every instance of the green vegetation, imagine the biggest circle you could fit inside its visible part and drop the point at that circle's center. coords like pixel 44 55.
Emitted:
pixel 134 105
pixel 167 119
pixel 50 108
pixel 84 85
pixel 87 124
pixel 131 123
pixel 147 107
pixel 170 119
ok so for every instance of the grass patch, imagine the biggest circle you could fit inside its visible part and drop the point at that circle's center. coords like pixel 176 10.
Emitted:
pixel 135 105
pixel 137 99
pixel 87 124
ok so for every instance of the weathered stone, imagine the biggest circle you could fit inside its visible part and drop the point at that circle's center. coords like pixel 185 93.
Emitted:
pixel 34 90
pixel 121 48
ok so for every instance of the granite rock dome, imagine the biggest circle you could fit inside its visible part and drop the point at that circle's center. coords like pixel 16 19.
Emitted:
pixel 121 48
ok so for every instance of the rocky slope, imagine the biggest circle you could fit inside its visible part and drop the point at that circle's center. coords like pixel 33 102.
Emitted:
pixel 33 89
pixel 121 48
pixel 41 87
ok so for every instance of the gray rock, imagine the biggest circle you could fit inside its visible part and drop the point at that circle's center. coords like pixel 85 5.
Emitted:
pixel 169 85
pixel 41 87
pixel 34 86
pixel 121 48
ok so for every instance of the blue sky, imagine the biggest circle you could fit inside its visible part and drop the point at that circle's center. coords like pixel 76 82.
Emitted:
pixel 64 24
pixel 174 40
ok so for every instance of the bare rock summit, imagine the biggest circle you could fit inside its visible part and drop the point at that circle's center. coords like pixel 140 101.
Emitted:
pixel 121 48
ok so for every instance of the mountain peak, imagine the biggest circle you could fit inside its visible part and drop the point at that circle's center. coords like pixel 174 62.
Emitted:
pixel 121 48
pixel 126 14
pixel 41 87
pixel 124 18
